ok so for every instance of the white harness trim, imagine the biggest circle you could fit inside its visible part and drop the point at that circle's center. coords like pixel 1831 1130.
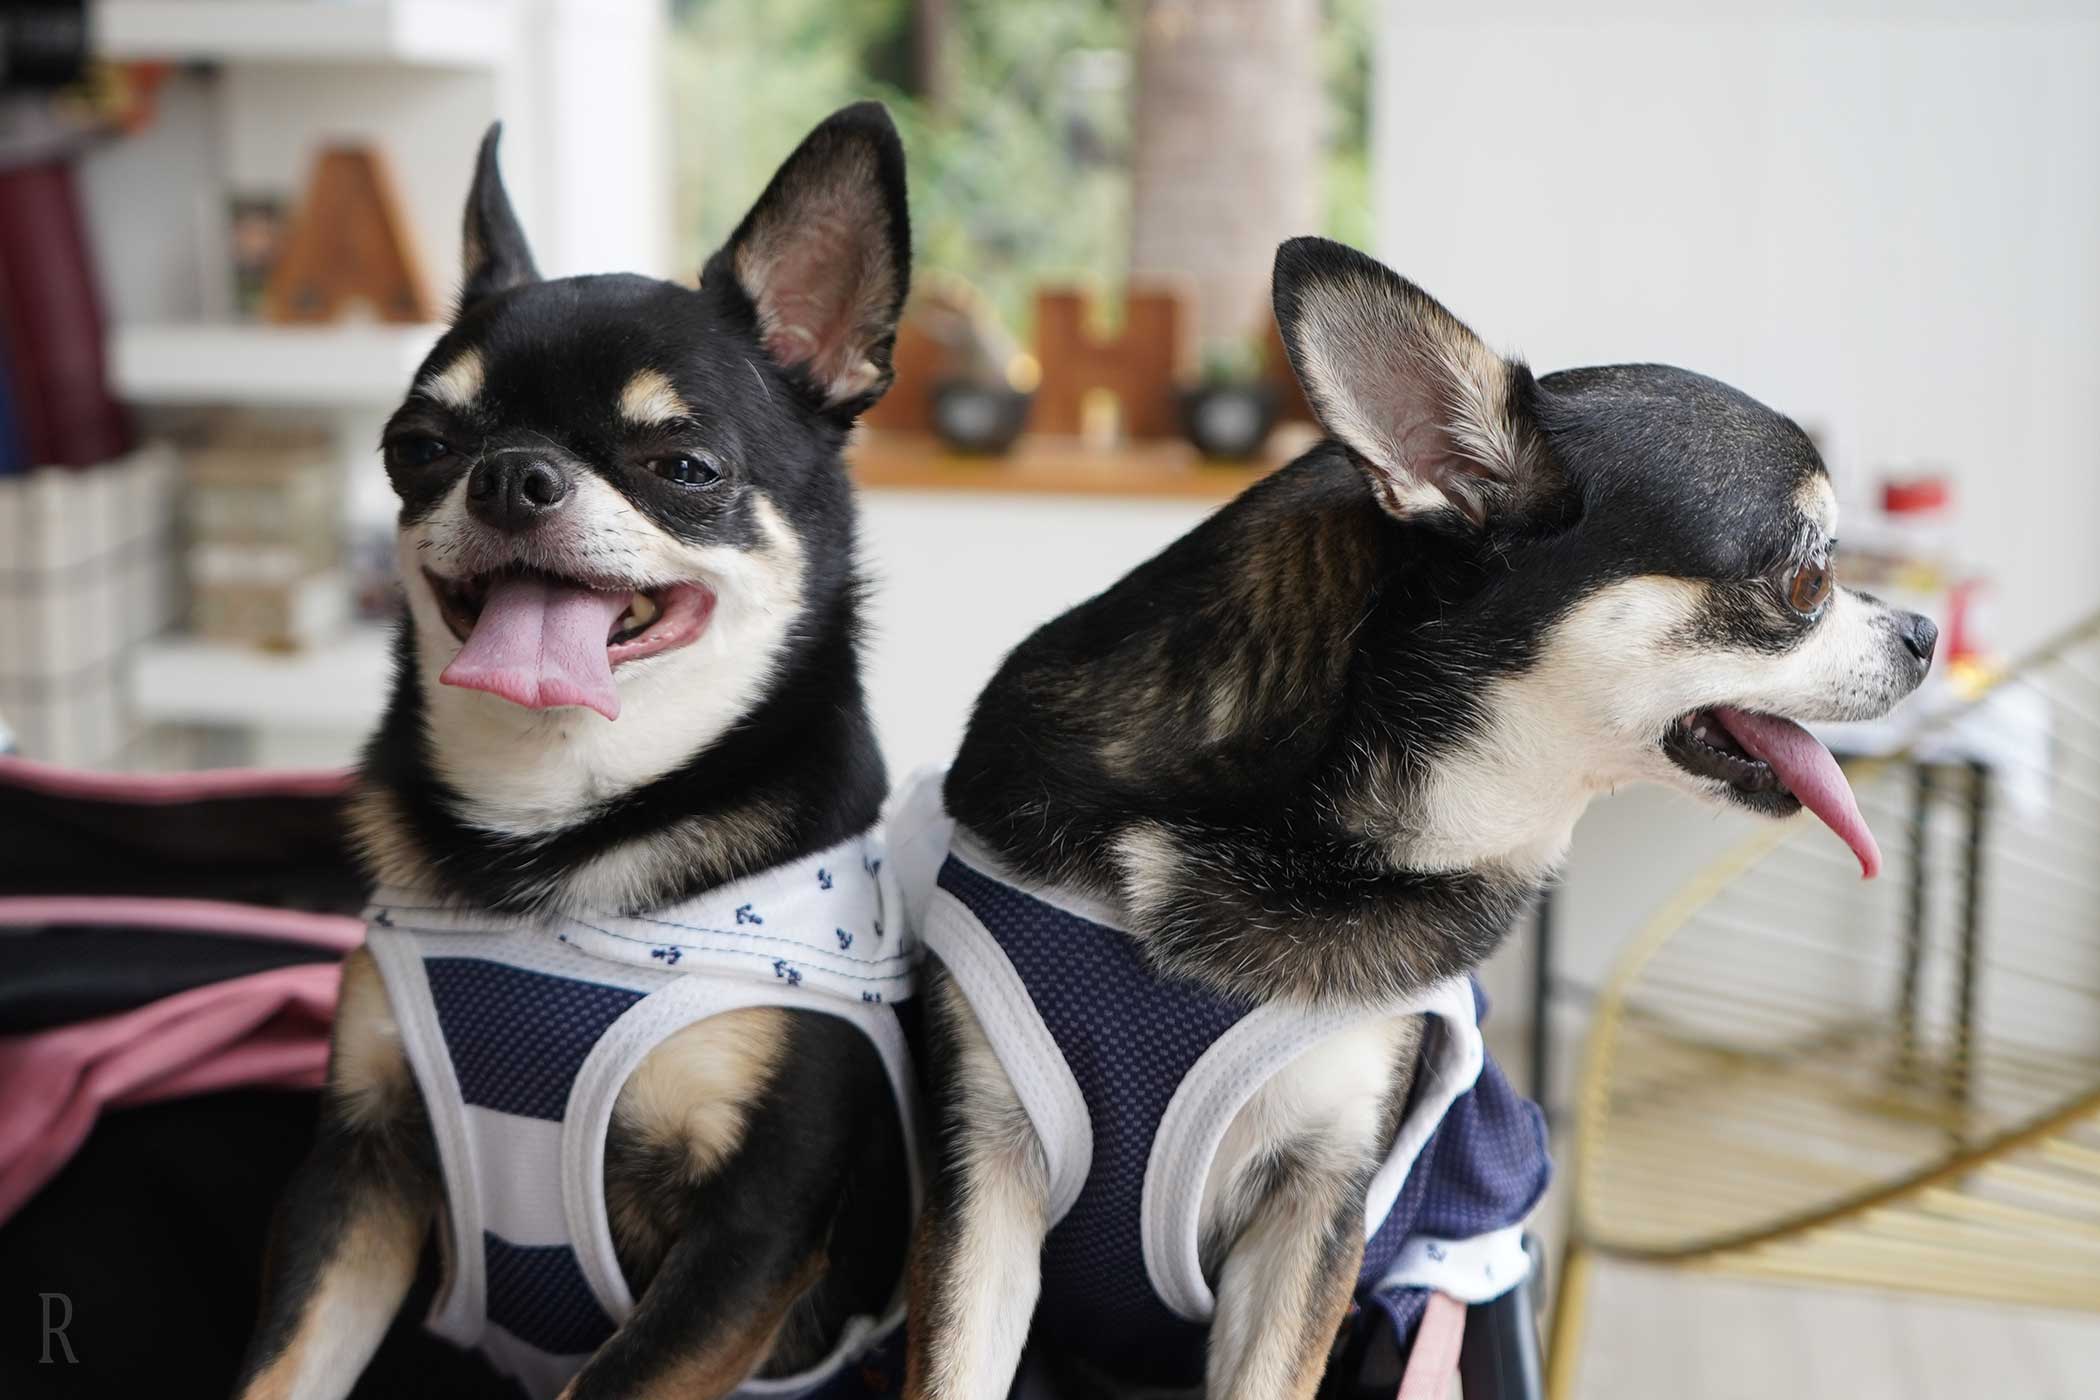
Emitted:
pixel 1233 1070
pixel 1023 1045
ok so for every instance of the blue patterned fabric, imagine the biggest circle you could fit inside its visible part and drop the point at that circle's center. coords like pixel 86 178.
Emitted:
pixel 517 1037
pixel 1484 1167
pixel 1129 1037
pixel 537 1293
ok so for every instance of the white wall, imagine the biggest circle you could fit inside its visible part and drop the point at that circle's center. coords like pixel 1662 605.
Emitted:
pixel 959 579
pixel 1884 226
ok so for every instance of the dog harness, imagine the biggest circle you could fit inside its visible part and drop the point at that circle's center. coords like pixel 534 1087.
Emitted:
pixel 521 1031
pixel 1131 1080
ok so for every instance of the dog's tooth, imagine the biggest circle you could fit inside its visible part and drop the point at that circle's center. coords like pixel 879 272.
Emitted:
pixel 642 608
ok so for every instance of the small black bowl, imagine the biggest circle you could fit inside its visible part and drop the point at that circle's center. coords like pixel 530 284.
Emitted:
pixel 979 418
pixel 1229 422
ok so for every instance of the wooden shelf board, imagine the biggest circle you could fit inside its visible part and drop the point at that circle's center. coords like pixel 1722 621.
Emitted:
pixel 1039 465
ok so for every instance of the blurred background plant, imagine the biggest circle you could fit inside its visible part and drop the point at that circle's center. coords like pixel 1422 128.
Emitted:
pixel 1017 117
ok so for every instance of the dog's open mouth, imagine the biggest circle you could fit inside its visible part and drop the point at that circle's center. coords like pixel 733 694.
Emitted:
pixel 1772 765
pixel 543 640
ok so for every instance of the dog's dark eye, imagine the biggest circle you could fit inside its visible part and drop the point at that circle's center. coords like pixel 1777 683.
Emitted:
pixel 1809 588
pixel 415 451
pixel 686 470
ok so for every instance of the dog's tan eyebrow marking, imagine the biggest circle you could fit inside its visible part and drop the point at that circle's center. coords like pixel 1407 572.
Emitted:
pixel 649 398
pixel 1818 502
pixel 458 384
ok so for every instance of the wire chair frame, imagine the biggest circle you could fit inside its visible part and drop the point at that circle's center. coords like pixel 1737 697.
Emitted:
pixel 1796 1078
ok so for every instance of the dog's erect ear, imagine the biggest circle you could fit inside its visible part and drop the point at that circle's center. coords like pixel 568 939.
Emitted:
pixel 824 258
pixel 494 257
pixel 1437 418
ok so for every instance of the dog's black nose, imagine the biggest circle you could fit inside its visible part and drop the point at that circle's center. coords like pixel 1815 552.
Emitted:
pixel 514 494
pixel 1920 636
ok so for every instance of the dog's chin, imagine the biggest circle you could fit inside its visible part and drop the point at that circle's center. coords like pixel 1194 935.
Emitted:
pixel 1720 769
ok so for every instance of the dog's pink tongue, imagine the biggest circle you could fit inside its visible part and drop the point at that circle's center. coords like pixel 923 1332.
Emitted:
pixel 1810 773
pixel 541 644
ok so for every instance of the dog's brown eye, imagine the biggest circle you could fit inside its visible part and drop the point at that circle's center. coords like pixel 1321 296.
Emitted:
pixel 687 470
pixel 1810 587
pixel 415 451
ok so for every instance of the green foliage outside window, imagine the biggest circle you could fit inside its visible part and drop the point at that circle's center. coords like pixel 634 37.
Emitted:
pixel 1020 176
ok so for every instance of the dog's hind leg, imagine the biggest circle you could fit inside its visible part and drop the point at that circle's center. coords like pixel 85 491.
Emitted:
pixel 977 1264
pixel 352 1222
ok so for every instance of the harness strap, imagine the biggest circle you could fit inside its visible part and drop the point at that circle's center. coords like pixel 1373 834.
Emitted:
pixel 1434 1361
pixel 1220 1084
pixel 461 1307
pixel 1023 1045
pixel 644 1026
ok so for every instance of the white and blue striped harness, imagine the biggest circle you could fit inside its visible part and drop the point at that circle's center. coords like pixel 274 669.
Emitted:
pixel 521 1031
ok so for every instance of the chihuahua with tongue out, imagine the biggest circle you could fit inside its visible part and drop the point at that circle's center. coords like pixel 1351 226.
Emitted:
pixel 1230 835
pixel 621 1038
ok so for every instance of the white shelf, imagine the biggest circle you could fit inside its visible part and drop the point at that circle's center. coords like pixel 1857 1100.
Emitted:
pixel 337 687
pixel 433 33
pixel 343 366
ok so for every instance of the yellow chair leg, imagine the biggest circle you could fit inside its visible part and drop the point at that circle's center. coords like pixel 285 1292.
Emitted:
pixel 1571 1298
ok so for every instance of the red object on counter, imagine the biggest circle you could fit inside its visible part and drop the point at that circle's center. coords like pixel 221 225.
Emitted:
pixel 1915 494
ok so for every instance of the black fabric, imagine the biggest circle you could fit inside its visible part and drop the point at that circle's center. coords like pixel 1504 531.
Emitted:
pixel 54 976
pixel 1500 1359
pixel 155 1233
pixel 291 852
pixel 43 47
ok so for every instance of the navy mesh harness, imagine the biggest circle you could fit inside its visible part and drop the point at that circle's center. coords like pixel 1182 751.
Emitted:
pixel 1129 1039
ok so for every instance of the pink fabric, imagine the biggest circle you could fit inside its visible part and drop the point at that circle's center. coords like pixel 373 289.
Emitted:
pixel 268 1030
pixel 1433 1362
pixel 153 788
pixel 339 932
